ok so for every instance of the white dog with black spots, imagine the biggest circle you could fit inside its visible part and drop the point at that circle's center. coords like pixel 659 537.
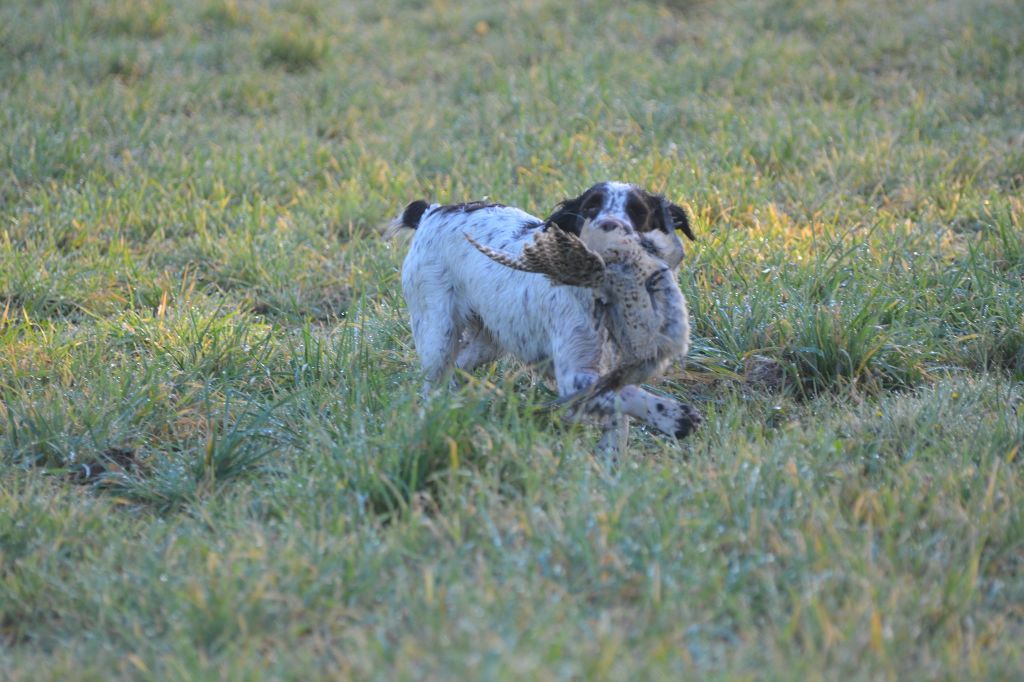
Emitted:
pixel 470 301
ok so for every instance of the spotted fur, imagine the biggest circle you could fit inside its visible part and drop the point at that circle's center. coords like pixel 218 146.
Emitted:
pixel 599 340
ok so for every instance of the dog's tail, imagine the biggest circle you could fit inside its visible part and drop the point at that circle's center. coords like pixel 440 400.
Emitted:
pixel 408 220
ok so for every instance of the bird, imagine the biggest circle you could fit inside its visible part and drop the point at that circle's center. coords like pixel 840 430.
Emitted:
pixel 641 306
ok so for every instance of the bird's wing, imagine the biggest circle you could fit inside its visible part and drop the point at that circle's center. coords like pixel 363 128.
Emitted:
pixel 558 254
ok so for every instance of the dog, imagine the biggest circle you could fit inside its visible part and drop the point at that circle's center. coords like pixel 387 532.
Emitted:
pixel 473 294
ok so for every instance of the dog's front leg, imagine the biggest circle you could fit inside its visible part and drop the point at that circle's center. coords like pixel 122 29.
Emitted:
pixel 605 408
pixel 665 414
pixel 577 359
pixel 614 436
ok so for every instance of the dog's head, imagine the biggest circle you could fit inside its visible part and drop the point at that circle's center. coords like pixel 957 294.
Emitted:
pixel 619 206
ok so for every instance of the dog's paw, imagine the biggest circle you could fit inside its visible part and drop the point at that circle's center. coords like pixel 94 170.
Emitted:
pixel 674 418
pixel 687 421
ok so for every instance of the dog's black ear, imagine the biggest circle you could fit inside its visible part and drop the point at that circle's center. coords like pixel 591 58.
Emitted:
pixel 567 215
pixel 678 218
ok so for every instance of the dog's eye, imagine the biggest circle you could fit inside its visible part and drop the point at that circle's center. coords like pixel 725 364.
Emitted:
pixel 638 212
pixel 592 205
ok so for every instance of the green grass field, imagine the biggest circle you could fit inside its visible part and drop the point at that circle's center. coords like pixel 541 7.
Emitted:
pixel 214 462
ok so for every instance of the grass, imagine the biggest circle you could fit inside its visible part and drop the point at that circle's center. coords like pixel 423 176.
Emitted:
pixel 214 465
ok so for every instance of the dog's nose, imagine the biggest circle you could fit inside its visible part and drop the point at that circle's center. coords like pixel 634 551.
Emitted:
pixel 609 224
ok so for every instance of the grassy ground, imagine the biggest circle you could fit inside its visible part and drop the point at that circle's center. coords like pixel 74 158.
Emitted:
pixel 213 465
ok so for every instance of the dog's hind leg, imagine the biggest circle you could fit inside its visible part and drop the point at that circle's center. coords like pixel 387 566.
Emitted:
pixel 435 344
pixel 477 347
pixel 434 331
